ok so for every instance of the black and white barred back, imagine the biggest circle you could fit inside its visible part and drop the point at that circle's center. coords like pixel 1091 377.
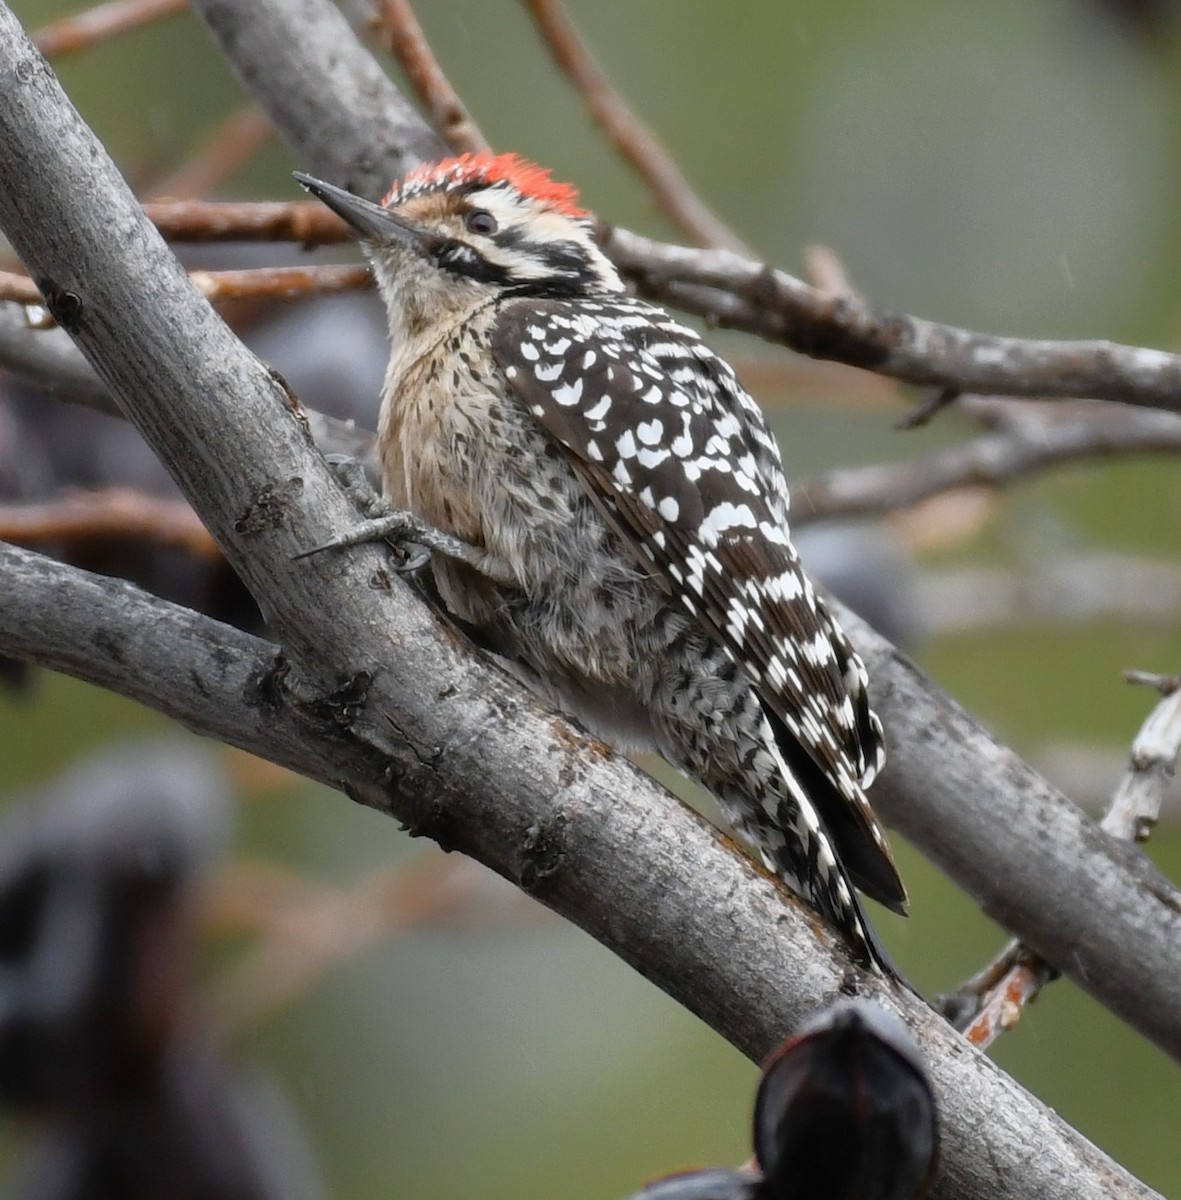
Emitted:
pixel 680 458
pixel 626 511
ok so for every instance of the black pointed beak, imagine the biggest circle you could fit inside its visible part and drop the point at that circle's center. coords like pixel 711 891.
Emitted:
pixel 367 220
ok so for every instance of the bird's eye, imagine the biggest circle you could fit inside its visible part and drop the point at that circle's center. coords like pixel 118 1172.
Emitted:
pixel 480 221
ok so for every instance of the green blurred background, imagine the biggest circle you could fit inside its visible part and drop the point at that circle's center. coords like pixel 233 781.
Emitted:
pixel 1012 166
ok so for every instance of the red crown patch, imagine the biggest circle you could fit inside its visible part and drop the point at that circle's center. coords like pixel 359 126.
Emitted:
pixel 487 168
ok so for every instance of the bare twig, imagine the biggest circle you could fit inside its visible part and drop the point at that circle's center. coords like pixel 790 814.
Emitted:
pixel 926 410
pixel 628 134
pixel 827 272
pixel 445 110
pixel 281 283
pixel 261 283
pixel 1137 803
pixel 308 223
pixel 86 29
pixel 993 1001
pixel 105 515
pixel 231 145
pixel 994 460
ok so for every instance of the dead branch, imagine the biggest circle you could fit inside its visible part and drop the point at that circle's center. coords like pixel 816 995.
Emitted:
pixel 738 293
pixel 280 283
pixel 992 1002
pixel 445 111
pixel 69 35
pixel 307 223
pixel 259 283
pixel 108 514
pixel 1135 809
pixel 627 133
pixel 994 461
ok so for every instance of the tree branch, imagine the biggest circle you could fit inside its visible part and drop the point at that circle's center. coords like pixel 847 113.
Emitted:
pixel 308 223
pixel 258 283
pixel 1017 846
pixel 68 35
pixel 484 770
pixel 447 113
pixel 105 514
pixel 993 1001
pixel 739 293
pixel 994 460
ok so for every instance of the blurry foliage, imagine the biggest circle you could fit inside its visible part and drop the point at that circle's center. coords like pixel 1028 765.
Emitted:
pixel 1012 166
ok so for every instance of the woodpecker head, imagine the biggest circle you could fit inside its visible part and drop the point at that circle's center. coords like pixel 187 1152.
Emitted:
pixel 468 228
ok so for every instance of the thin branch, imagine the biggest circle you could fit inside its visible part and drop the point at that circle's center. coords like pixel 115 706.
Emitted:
pixel 446 112
pixel 927 410
pixel 281 283
pixel 1135 809
pixel 258 283
pixel 994 460
pixel 230 146
pixel 740 293
pixel 100 23
pixel 108 514
pixel 308 223
pixel 582 831
pixel 627 133
pixel 992 1002
pixel 827 272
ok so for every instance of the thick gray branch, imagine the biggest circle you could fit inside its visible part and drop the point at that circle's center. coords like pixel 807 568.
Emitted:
pixel 490 774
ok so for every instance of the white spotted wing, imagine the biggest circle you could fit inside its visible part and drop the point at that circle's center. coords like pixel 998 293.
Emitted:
pixel 679 456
